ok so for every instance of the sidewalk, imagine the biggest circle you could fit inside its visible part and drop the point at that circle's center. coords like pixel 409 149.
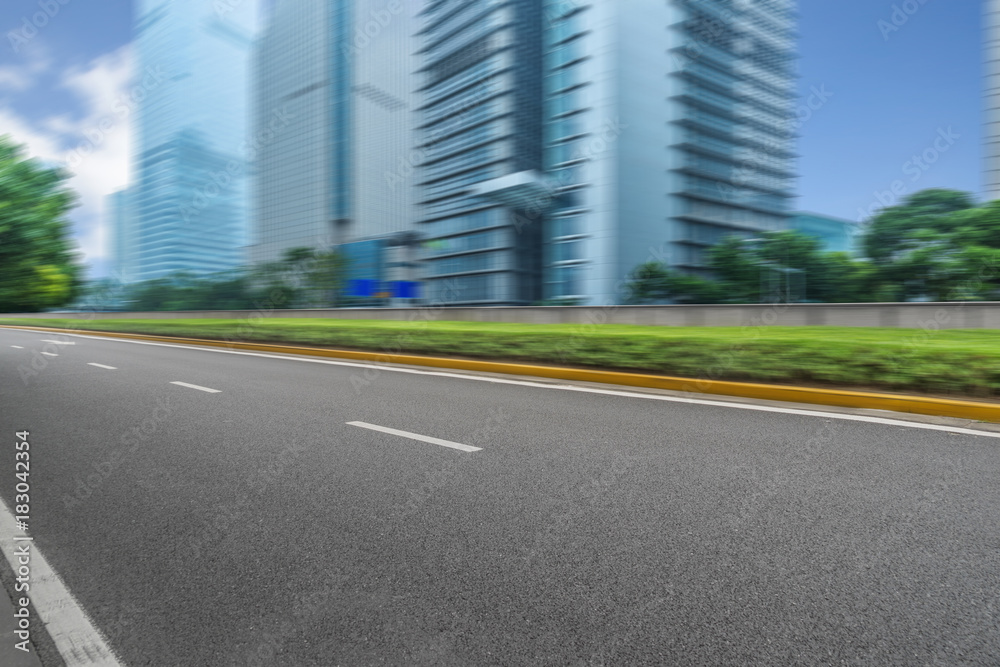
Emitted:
pixel 9 655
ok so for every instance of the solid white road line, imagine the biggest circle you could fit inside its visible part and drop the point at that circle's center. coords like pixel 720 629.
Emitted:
pixel 194 386
pixel 17 347
pixel 417 436
pixel 58 342
pixel 565 387
pixel 76 638
pixel 110 368
pixel 50 354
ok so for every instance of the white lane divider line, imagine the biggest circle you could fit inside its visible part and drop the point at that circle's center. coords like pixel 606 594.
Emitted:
pixel 194 386
pixel 417 436
pixel 17 347
pixel 58 342
pixel 75 636
pixel 110 368
pixel 50 354
pixel 719 403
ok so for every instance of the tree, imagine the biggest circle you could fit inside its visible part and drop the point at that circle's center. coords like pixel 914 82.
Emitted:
pixel 737 268
pixel 893 230
pixel 937 244
pixel 648 283
pixel 654 282
pixel 789 263
pixel 327 275
pixel 38 267
pixel 307 277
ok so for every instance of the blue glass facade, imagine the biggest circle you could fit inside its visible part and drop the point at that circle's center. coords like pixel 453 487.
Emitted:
pixel 480 120
pixel 116 214
pixel 668 127
pixel 609 133
pixel 342 73
pixel 187 209
pixel 835 234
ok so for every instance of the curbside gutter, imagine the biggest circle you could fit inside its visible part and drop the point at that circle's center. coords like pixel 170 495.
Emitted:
pixel 941 407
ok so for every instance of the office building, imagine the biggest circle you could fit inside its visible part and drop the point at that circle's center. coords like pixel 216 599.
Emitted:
pixel 667 129
pixel 116 215
pixel 663 127
pixel 836 234
pixel 481 147
pixel 991 175
pixel 186 208
pixel 333 124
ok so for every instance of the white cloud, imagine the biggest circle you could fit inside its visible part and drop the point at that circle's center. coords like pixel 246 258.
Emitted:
pixel 17 78
pixel 93 144
pixel 14 78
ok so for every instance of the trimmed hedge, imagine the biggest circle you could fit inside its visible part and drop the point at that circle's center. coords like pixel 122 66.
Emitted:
pixel 960 362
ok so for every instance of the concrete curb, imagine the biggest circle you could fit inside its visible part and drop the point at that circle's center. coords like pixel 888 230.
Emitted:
pixel 941 407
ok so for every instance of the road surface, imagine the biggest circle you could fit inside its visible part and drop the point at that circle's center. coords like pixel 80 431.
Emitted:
pixel 205 507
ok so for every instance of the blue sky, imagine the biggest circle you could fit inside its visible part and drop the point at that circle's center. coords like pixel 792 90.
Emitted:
pixel 892 95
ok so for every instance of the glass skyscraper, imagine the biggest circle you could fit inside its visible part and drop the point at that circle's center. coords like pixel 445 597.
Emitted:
pixel 991 176
pixel 336 168
pixel 186 211
pixel 120 254
pixel 668 127
pixel 649 131
pixel 481 148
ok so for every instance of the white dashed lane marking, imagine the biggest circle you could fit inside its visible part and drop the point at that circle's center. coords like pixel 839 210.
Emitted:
pixel 194 386
pixel 417 436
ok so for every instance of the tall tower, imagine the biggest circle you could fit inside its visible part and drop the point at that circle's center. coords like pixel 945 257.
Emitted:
pixel 991 174
pixel 567 142
pixel 186 209
pixel 333 107
pixel 481 150
pixel 669 126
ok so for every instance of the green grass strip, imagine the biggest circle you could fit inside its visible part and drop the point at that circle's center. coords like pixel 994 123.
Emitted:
pixel 962 362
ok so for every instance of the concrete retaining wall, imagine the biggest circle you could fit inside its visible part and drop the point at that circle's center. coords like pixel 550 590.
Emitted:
pixel 977 315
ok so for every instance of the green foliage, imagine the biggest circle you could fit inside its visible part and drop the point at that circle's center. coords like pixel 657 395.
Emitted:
pixel 935 245
pixel 892 230
pixel 653 282
pixel 38 269
pixel 184 291
pixel 303 278
pixel 959 362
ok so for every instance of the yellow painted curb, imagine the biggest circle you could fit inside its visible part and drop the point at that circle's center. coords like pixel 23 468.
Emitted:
pixel 921 405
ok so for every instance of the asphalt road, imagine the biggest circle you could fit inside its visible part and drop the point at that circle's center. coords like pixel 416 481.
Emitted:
pixel 255 526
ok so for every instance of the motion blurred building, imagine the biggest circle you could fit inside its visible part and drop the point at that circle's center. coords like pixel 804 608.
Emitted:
pixel 481 121
pixel 116 215
pixel 991 175
pixel 333 129
pixel 836 234
pixel 186 211
pixel 649 131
